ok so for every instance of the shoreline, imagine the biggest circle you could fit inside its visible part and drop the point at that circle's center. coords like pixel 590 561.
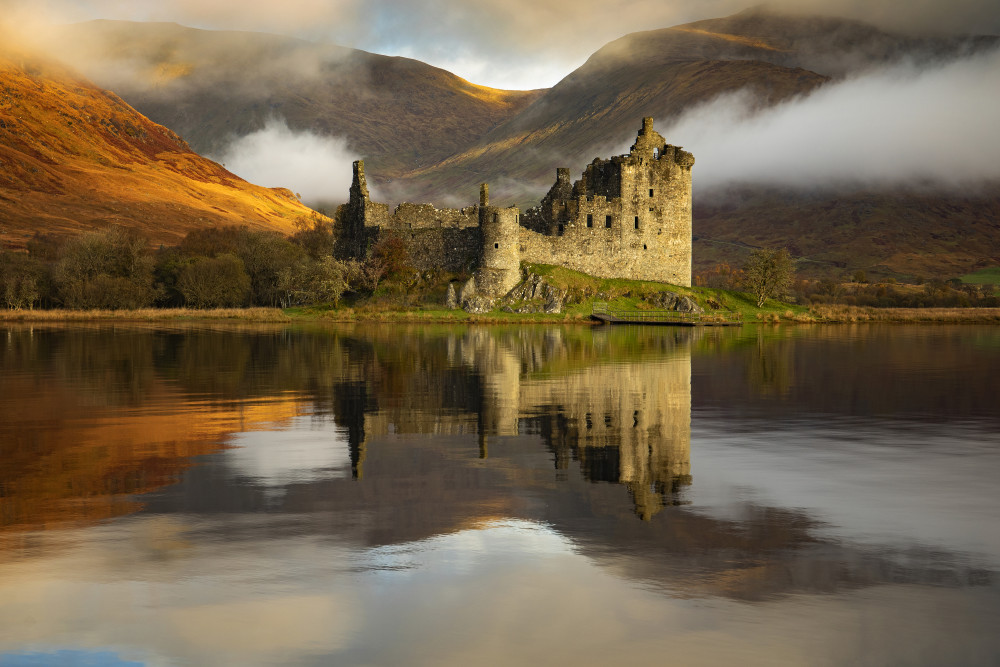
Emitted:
pixel 816 315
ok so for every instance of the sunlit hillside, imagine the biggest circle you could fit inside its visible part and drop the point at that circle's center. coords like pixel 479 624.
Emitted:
pixel 75 157
pixel 214 86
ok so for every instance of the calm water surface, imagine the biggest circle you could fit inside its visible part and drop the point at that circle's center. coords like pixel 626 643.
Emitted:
pixel 455 496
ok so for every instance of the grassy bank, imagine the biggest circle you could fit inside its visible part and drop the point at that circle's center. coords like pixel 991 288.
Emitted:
pixel 578 314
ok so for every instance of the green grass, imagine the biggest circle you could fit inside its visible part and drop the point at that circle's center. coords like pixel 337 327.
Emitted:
pixel 634 295
pixel 423 303
pixel 987 276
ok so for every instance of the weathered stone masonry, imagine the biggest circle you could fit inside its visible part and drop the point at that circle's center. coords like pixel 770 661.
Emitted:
pixel 627 217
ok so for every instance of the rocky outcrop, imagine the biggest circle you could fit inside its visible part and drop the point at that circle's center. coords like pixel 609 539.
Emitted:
pixel 535 295
pixel 674 301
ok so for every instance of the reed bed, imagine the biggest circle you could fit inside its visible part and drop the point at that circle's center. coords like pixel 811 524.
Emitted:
pixel 837 313
pixel 145 315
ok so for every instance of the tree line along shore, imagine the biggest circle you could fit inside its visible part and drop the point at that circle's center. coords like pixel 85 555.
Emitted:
pixel 236 273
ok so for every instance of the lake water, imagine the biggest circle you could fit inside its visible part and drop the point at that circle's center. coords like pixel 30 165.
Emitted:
pixel 403 495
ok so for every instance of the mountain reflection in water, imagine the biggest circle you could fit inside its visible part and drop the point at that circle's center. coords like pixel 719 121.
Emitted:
pixel 293 495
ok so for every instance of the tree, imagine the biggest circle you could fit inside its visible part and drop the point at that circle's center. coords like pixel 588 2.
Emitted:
pixel 391 253
pixel 266 257
pixel 110 268
pixel 768 273
pixel 312 281
pixel 22 280
pixel 315 235
pixel 219 282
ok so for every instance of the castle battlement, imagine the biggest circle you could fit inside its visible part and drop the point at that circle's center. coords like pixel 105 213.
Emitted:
pixel 628 216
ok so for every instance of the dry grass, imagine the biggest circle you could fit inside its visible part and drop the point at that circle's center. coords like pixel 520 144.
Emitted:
pixel 838 313
pixel 145 315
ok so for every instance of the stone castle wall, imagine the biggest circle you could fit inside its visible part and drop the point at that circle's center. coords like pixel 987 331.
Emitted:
pixel 626 217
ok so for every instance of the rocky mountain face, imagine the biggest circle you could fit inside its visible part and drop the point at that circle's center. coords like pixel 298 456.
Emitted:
pixel 75 157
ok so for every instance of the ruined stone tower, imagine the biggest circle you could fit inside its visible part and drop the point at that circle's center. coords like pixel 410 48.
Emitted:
pixel 500 262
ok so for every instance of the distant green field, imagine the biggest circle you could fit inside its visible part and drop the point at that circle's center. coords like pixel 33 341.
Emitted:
pixel 990 276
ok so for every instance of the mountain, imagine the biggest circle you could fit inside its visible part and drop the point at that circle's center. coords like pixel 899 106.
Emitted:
pixel 428 135
pixel 213 86
pixel 74 157
pixel 595 110
pixel 890 231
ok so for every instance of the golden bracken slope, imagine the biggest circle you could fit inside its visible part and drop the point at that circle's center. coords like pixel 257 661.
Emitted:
pixel 74 157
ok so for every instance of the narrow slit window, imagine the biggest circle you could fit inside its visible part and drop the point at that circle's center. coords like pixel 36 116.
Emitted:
pixel 560 230
pixel 637 222
pixel 651 192
pixel 590 220
pixel 607 222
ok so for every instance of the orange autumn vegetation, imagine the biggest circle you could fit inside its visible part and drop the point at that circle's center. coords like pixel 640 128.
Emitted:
pixel 74 157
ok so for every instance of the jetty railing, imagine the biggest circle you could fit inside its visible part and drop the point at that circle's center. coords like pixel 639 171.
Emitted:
pixel 603 311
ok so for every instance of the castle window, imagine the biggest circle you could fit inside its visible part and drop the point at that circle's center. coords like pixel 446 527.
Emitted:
pixel 637 222
pixel 607 222
pixel 496 245
pixel 643 246
pixel 496 216
pixel 560 229
pixel 651 192
pixel 590 220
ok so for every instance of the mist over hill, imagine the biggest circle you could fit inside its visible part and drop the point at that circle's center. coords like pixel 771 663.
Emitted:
pixel 216 88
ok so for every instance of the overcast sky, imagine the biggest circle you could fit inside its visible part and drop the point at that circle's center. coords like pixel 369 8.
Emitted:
pixel 509 43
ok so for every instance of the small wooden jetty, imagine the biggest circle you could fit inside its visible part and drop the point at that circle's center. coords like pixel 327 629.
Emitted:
pixel 603 313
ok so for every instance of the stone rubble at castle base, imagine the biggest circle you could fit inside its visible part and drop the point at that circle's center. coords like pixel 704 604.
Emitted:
pixel 626 217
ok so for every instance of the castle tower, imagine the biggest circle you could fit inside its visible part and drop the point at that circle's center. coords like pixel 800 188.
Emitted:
pixel 500 264
pixel 357 210
pixel 362 217
pixel 656 198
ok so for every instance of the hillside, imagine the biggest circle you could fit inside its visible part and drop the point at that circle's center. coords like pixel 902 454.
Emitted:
pixel 595 110
pixel 900 233
pixel 74 157
pixel 661 73
pixel 397 112
pixel 428 135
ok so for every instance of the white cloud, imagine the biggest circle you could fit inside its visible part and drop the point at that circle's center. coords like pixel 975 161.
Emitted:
pixel 893 126
pixel 316 167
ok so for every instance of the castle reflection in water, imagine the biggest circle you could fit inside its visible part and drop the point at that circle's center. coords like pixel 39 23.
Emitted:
pixel 597 401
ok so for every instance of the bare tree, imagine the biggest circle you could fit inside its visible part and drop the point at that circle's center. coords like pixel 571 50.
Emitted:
pixel 768 274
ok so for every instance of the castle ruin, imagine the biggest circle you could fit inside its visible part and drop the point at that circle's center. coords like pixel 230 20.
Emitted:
pixel 626 217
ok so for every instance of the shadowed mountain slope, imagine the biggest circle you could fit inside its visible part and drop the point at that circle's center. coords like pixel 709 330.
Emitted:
pixel 772 58
pixel 902 233
pixel 213 86
pixel 661 73
pixel 74 157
